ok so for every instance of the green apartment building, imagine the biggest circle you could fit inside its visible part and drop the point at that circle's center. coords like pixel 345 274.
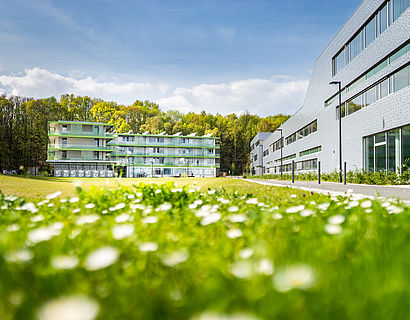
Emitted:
pixel 91 149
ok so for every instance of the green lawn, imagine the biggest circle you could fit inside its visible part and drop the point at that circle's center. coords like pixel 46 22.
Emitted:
pixel 240 251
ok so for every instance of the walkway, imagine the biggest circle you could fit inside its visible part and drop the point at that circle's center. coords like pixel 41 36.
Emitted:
pixel 402 192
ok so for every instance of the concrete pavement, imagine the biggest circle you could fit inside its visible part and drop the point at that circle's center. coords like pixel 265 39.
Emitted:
pixel 402 192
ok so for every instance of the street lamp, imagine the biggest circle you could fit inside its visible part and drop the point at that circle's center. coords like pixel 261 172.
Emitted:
pixel 152 168
pixel 187 167
pixel 340 127
pixel 281 157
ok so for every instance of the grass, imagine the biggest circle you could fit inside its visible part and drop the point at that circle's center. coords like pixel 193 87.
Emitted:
pixel 240 251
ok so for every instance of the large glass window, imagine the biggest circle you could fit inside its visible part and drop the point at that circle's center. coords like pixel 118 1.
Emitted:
pixel 370 32
pixel 393 150
pixel 355 104
pixel 369 153
pixel 355 46
pixel 405 147
pixel 401 79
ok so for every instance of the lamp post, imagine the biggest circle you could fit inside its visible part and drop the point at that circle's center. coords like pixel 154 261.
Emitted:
pixel 187 167
pixel 339 83
pixel 152 168
pixel 281 157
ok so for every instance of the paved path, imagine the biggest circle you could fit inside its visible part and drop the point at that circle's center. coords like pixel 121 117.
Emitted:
pixel 402 192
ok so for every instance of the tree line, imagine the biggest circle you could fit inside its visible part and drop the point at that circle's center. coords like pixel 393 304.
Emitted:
pixel 24 138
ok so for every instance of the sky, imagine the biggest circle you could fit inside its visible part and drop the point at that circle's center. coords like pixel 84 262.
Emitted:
pixel 221 56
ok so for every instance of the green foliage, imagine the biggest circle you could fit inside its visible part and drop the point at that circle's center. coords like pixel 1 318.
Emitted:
pixel 357 176
pixel 23 126
pixel 173 252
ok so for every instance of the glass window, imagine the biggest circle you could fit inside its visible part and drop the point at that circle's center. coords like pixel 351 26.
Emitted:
pixel 401 79
pixel 64 154
pixel 380 152
pixel 355 46
pixel 393 150
pixel 399 53
pixel 383 19
pixel 370 96
pixel 398 7
pixel 355 104
pixel 376 69
pixel 87 128
pixel 369 153
pixel 380 138
pixel 405 147
pixel 370 32
pixel 340 61
pixel 64 141
pixel 384 88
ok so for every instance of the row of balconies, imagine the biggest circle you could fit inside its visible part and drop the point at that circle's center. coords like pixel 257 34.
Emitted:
pixel 173 143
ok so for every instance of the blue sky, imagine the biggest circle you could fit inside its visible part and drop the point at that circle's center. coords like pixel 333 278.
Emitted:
pixel 222 56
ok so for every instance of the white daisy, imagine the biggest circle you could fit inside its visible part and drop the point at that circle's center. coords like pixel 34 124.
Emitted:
pixel 64 262
pixel 148 246
pixel 74 307
pixel 333 228
pixel 54 195
pixel 122 231
pixel 299 276
pixel 237 218
pixel 150 219
pixel 101 258
pixel 18 256
pixel 337 219
pixel 90 218
pixel 175 257
pixel 122 218
pixel 234 233
pixel 295 209
pixel 211 218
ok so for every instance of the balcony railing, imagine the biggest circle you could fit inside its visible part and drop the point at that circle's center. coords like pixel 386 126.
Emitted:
pixel 142 143
pixel 164 155
pixel 79 133
pixel 169 163
pixel 55 157
pixel 79 147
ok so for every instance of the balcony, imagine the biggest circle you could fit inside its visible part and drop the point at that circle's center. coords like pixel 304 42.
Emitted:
pixel 142 143
pixel 169 154
pixel 79 147
pixel 77 132
pixel 86 158
pixel 124 162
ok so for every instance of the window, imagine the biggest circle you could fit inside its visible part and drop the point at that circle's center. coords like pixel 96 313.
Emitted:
pixel 310 151
pixel 96 142
pixel 370 96
pixel 305 131
pixel 370 32
pixel 255 157
pixel 64 141
pixel 339 62
pixel 65 128
pixel 384 88
pixel 355 104
pixel 399 6
pixel 379 22
pixel 383 19
pixel 95 154
pixel 167 171
pixel 399 53
pixel 64 154
pixel 87 128
pixel 401 79
pixel 266 152
pixel 355 46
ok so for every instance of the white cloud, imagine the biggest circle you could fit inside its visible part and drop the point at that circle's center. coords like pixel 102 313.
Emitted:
pixel 40 83
pixel 258 96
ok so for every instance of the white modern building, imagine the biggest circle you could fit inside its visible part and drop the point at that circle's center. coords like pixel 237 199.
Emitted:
pixel 370 56
pixel 91 149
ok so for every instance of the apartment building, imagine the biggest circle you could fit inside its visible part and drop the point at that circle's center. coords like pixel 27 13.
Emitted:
pixel 370 57
pixel 88 149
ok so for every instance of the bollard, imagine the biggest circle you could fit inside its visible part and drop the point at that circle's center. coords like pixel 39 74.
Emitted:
pixel 293 171
pixel 344 171
pixel 318 173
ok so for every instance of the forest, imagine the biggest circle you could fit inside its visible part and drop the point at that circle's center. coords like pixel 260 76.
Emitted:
pixel 24 139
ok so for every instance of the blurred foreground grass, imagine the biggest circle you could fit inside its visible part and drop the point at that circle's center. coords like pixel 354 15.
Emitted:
pixel 195 252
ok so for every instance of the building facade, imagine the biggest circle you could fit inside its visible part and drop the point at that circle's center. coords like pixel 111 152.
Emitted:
pixel 86 149
pixel 257 164
pixel 370 56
